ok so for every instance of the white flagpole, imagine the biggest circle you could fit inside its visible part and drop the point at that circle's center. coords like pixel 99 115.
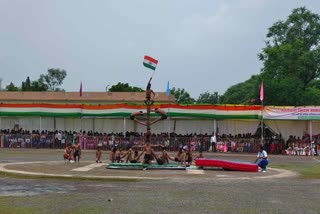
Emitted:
pixel 310 131
pixel 261 99
pixel 81 126
pixel 169 128
pixel 262 125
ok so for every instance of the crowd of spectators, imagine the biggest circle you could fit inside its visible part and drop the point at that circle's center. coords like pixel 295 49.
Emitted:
pixel 58 139
pixel 302 146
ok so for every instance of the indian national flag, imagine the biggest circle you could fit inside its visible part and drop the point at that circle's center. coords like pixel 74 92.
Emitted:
pixel 150 62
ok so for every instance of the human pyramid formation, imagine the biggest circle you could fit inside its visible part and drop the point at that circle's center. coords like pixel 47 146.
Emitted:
pixel 149 154
pixel 184 155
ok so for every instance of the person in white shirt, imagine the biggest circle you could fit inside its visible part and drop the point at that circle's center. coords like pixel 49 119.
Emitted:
pixel 58 139
pixel 262 159
pixel 213 141
pixel 313 146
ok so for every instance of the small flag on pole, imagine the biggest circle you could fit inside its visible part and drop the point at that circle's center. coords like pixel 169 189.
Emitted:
pixel 150 62
pixel 81 89
pixel 168 89
pixel 261 91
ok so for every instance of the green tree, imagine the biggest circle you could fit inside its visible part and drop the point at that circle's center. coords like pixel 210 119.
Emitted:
pixel 291 60
pixel 243 93
pixel 182 96
pixel 207 98
pixel 53 79
pixel 38 85
pixel 124 87
pixel 12 87
pixel 26 86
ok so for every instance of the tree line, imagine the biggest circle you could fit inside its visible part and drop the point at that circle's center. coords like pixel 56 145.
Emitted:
pixel 46 82
pixel 290 71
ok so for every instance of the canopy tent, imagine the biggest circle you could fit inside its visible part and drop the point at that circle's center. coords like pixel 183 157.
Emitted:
pixel 267 130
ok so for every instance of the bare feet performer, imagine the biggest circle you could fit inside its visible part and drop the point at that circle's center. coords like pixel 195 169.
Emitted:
pixel 162 115
pixel 149 91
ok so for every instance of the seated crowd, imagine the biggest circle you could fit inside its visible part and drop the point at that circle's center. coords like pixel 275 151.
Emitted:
pixel 302 146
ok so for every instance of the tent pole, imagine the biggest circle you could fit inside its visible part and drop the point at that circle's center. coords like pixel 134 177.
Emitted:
pixel 310 131
pixel 124 126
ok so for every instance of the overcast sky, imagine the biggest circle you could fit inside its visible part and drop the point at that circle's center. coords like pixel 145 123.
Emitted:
pixel 206 45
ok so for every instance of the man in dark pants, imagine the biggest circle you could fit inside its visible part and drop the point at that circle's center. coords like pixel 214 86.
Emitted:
pixel 213 141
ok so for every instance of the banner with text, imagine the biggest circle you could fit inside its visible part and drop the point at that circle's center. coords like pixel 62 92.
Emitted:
pixel 291 113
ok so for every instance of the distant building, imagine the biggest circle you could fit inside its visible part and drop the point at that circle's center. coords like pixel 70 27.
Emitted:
pixel 74 97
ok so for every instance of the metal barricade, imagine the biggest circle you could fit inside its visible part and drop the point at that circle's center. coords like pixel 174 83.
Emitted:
pixel 172 143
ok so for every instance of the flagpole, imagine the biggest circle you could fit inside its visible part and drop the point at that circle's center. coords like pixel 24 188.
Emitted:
pixel 261 99
pixel 168 95
pixel 153 73
pixel 262 125
pixel 169 125
pixel 81 106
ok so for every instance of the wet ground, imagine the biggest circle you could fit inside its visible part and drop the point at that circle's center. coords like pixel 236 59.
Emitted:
pixel 101 190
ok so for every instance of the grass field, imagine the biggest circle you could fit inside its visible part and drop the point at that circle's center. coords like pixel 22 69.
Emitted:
pixel 176 194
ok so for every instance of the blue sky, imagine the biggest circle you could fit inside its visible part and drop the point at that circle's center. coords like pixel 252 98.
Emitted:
pixel 201 45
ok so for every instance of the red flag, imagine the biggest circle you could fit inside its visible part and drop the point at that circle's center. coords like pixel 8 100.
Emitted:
pixel 261 91
pixel 81 89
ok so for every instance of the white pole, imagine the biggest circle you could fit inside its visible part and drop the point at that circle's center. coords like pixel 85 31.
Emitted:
pixel 81 128
pixel 124 126
pixel 169 126
pixel 310 130
pixel 93 124
pixel 40 124
pixel 81 112
pixel 262 126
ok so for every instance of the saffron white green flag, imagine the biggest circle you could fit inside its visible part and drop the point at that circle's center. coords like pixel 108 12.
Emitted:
pixel 150 62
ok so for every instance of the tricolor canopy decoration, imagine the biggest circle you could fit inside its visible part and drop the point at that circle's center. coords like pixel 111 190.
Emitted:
pixel 126 109
pixel 174 110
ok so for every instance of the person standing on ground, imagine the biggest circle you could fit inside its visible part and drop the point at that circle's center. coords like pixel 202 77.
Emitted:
pixel 262 159
pixel 58 139
pixel 98 154
pixel 77 152
pixel 313 147
pixel 113 154
pixel 213 141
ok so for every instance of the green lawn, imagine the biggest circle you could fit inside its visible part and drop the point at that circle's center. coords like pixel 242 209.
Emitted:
pixel 306 171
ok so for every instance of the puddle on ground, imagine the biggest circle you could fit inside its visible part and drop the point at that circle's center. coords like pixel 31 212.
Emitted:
pixel 5 161
pixel 224 176
pixel 33 189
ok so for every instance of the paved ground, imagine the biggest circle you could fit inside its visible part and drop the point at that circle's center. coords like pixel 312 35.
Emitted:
pixel 151 191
